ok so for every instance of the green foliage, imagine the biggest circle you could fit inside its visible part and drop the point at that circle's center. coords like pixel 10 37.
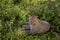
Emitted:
pixel 13 14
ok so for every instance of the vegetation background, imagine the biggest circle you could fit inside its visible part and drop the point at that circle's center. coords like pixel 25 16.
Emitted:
pixel 13 14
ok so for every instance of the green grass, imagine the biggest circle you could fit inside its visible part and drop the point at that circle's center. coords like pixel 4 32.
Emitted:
pixel 13 14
